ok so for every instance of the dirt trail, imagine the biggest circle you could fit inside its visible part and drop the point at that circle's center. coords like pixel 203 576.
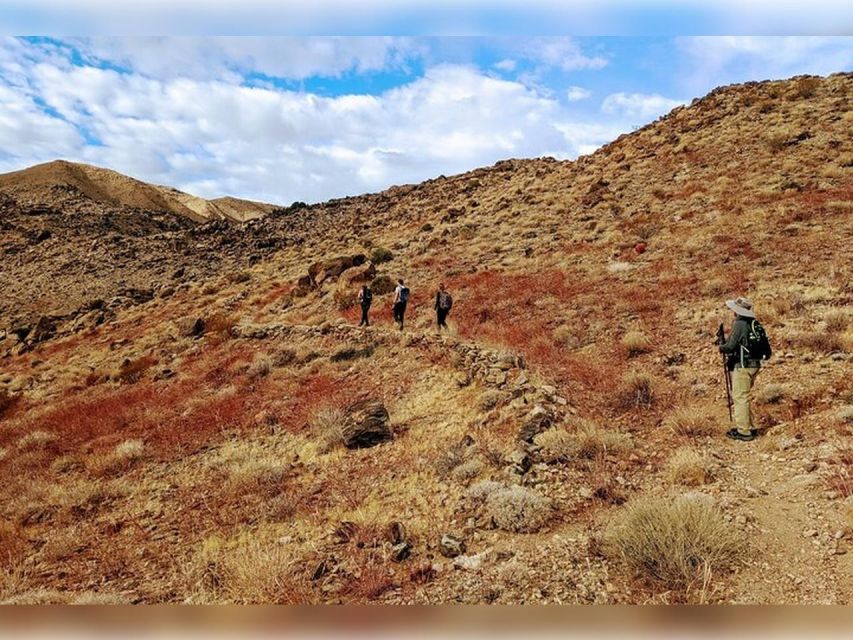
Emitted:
pixel 798 548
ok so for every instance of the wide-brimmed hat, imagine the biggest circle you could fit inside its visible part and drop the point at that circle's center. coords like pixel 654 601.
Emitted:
pixel 741 306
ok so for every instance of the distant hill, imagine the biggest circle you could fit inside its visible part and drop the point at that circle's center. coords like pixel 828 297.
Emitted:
pixel 52 183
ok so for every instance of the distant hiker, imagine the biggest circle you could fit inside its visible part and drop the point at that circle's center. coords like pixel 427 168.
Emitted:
pixel 365 299
pixel 745 348
pixel 401 298
pixel 443 304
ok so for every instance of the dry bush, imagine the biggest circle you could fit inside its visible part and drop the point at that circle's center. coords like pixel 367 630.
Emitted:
pixel 468 470
pixel 327 423
pixel 382 284
pixel 36 440
pixel 132 370
pixel 119 460
pixel 517 509
pixel 806 87
pixel 636 343
pixel 819 341
pixel 776 141
pixel 261 366
pixel 677 541
pixel 244 571
pixel 691 421
pixel 772 393
pixel 218 327
pixel 380 255
pixel 556 445
pixel 592 441
pixel 564 336
pixel 836 320
pixel 635 392
pixel 284 357
pixel 689 468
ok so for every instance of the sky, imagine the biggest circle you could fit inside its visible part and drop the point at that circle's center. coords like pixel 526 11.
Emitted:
pixel 309 118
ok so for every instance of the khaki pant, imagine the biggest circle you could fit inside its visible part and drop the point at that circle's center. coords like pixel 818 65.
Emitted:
pixel 742 381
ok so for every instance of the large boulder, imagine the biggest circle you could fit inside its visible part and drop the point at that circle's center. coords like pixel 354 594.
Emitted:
pixel 321 271
pixel 367 424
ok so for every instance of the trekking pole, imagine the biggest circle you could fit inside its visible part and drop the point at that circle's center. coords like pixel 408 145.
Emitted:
pixel 721 340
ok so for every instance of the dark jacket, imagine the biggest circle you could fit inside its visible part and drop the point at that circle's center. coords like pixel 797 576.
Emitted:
pixel 737 339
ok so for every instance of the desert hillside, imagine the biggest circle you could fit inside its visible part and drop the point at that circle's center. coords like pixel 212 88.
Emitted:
pixel 188 412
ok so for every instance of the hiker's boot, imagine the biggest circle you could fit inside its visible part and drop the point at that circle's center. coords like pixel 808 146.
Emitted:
pixel 734 434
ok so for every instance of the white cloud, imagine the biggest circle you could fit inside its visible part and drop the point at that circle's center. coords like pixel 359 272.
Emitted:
pixel 716 60
pixel 506 65
pixel 638 105
pixel 227 58
pixel 561 52
pixel 212 136
pixel 574 94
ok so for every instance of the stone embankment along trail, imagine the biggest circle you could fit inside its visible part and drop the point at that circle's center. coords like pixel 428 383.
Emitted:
pixel 537 404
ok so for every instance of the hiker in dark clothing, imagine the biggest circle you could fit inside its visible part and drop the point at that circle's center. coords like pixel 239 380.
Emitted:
pixel 365 299
pixel 443 304
pixel 746 347
pixel 401 299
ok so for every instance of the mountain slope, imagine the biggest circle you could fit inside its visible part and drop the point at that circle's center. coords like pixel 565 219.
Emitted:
pixel 192 440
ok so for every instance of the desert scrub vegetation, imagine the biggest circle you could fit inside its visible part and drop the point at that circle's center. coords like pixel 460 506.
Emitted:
pixel 635 392
pixel 261 366
pixel 691 421
pixel 36 441
pixel 380 255
pixel 678 542
pixel 382 284
pixel 120 459
pixel 132 370
pixel 591 441
pixel 515 509
pixel 636 343
pixel 218 326
pixel 836 320
pixel 689 468
pixel 556 445
pixel 327 424
pixel 244 570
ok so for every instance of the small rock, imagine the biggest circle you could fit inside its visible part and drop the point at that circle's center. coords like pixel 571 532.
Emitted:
pixel 468 563
pixel 451 546
pixel 401 551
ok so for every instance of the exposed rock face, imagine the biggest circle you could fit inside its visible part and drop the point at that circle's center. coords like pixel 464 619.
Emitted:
pixel 367 425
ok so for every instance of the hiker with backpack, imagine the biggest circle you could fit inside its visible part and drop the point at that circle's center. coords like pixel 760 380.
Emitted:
pixel 443 304
pixel 365 299
pixel 401 298
pixel 745 349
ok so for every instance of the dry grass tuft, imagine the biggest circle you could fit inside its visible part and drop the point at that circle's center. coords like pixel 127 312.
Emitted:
pixel 244 571
pixel 836 321
pixel 691 421
pixel 636 392
pixel 218 327
pixel 36 440
pixel 119 460
pixel 328 425
pixel 636 343
pixel 677 541
pixel 592 441
pixel 261 367
pixel 689 468
pixel 557 445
